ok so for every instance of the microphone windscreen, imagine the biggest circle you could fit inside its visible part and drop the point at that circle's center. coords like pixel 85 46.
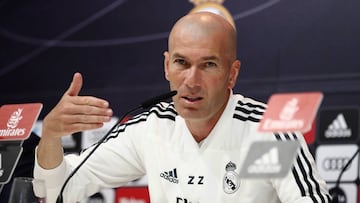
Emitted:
pixel 338 195
pixel 157 99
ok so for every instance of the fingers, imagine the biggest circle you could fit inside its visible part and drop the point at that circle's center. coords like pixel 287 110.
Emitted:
pixel 68 117
pixel 90 101
pixel 74 113
pixel 82 110
pixel 88 126
pixel 86 120
pixel 75 85
pixel 95 107
pixel 77 123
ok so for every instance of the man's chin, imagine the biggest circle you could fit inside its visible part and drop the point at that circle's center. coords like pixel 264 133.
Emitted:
pixel 190 114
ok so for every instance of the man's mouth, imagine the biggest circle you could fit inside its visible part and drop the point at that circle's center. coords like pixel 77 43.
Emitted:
pixel 192 99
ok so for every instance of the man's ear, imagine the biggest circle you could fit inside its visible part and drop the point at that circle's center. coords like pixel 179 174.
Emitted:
pixel 166 64
pixel 234 72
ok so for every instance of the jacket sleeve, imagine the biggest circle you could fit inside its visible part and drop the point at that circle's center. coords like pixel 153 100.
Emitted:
pixel 303 183
pixel 116 162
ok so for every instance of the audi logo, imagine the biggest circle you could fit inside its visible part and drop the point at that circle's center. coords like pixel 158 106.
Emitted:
pixel 335 163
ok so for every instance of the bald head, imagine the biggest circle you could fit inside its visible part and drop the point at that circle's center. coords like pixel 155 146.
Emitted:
pixel 205 25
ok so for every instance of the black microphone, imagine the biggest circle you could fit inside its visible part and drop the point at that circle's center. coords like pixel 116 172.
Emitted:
pixel 157 99
pixel 143 105
pixel 336 191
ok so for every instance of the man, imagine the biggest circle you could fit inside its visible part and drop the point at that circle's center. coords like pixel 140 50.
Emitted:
pixel 186 148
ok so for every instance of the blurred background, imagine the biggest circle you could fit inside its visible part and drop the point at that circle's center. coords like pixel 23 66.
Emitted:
pixel 284 46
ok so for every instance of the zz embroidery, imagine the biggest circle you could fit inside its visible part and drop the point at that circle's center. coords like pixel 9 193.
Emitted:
pixel 193 179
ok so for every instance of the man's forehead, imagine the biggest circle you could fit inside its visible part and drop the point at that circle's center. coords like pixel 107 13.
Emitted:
pixel 201 22
pixel 195 57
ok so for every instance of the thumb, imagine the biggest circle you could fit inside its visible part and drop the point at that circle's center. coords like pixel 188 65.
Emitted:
pixel 75 85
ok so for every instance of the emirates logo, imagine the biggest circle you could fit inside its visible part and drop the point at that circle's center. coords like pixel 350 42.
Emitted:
pixel 14 119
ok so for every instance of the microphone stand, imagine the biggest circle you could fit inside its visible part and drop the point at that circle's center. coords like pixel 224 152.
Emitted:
pixel 336 189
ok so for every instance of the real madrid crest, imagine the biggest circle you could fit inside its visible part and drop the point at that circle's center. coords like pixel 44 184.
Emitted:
pixel 231 181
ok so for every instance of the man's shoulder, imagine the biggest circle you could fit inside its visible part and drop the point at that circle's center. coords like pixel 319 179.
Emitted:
pixel 163 111
pixel 243 100
pixel 248 109
pixel 154 116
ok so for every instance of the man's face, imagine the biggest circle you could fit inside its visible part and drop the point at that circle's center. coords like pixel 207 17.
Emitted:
pixel 202 73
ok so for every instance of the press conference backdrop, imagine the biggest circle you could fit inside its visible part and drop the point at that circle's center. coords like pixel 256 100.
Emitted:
pixel 284 46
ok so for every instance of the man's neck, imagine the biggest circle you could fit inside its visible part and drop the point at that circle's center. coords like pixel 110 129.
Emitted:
pixel 201 129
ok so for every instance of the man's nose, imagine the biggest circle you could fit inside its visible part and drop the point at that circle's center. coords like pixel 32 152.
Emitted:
pixel 193 77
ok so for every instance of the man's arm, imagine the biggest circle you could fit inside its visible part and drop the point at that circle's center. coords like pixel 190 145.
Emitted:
pixel 73 113
pixel 303 183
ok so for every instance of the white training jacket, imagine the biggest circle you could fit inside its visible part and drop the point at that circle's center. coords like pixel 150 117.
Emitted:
pixel 158 144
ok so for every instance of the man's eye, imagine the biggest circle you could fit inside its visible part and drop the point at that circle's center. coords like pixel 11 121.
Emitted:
pixel 180 61
pixel 210 64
